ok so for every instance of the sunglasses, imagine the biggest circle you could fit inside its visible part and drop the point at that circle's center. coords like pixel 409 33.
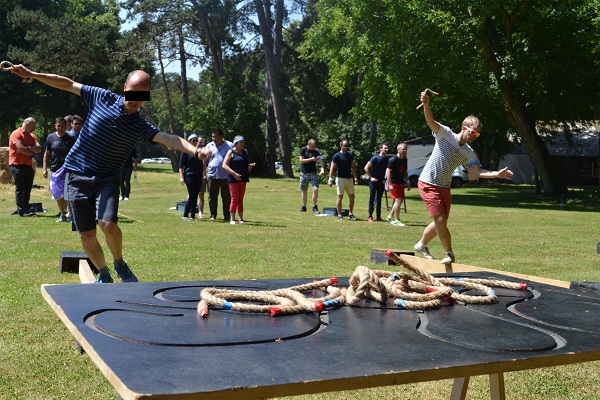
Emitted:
pixel 472 132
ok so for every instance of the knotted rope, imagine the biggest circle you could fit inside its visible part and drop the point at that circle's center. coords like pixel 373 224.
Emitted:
pixel 277 302
pixel 416 291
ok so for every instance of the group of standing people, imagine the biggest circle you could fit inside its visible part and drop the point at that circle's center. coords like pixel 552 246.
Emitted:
pixel 450 150
pixel 114 126
pixel 226 171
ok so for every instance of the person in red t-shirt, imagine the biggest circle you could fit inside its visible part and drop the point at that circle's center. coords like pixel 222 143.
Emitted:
pixel 23 145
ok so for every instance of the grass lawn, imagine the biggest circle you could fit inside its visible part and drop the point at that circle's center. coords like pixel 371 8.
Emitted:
pixel 504 227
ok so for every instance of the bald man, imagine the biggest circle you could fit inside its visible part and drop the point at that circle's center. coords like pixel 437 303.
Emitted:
pixel 113 127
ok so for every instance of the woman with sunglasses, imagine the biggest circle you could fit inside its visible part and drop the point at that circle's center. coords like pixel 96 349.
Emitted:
pixel 450 150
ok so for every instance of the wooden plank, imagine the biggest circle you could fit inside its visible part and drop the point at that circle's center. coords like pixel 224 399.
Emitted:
pixel 434 267
pixel 497 391
pixel 459 388
pixel 85 272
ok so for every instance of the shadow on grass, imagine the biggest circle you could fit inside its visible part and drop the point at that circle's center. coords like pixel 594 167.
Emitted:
pixel 524 197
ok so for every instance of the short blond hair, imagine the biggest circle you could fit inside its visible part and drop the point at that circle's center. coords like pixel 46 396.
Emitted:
pixel 472 122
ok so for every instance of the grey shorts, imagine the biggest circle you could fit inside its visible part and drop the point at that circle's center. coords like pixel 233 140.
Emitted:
pixel 92 198
pixel 306 177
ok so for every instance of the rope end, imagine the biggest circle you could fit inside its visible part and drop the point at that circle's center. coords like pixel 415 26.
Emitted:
pixel 203 313
pixel 522 286
pixel 275 311
pixel 334 281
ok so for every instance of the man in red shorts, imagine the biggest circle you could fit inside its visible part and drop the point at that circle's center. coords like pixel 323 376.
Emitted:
pixel 450 150
pixel 396 175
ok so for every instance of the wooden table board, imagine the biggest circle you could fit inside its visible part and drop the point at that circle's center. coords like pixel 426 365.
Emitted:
pixel 149 342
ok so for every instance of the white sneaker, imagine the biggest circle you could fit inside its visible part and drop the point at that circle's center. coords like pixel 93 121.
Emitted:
pixel 232 222
pixel 424 251
pixel 449 259
pixel 125 198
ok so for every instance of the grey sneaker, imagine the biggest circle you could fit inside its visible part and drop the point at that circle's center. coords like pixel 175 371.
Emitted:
pixel 340 217
pixel 104 279
pixel 351 217
pixel 315 209
pixel 424 251
pixel 449 259
pixel 125 273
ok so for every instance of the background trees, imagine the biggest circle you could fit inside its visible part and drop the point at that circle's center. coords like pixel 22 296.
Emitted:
pixel 337 69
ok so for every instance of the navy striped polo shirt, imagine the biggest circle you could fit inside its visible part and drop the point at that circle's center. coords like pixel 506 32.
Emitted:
pixel 108 134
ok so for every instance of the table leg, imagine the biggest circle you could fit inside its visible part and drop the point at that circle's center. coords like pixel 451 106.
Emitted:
pixel 497 391
pixel 459 389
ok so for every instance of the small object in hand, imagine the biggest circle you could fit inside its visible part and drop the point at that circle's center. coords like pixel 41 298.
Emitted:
pixel 430 91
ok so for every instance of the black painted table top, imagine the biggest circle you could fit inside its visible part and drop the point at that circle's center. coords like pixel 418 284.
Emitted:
pixel 149 341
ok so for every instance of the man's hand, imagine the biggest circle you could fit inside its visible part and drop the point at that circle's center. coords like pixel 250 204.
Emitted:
pixel 45 173
pixel 424 98
pixel 21 71
pixel 504 173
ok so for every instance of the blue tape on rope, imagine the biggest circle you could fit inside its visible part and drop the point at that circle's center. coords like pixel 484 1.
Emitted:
pixel 394 277
pixel 400 302
pixel 227 305
pixel 491 293
pixel 458 279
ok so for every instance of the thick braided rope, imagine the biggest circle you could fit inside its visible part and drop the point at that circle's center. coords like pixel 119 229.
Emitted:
pixel 277 302
pixel 416 291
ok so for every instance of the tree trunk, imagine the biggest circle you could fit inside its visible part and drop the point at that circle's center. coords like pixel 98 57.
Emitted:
pixel 272 51
pixel 270 131
pixel 214 43
pixel 171 153
pixel 518 117
pixel 373 135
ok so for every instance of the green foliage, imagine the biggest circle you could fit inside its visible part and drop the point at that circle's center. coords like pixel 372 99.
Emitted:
pixel 388 51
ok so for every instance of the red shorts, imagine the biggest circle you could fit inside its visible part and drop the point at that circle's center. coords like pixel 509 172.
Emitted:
pixel 396 191
pixel 436 199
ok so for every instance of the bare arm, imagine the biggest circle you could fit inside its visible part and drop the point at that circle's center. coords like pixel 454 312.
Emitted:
pixel 55 81
pixel 27 150
pixel 354 171
pixel 179 143
pixel 45 163
pixel 431 122
pixel 227 168
pixel 368 167
pixel 486 174
pixel 331 172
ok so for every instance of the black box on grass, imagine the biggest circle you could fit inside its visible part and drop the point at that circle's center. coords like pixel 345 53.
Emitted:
pixel 333 211
pixel 36 207
pixel 69 261
pixel 181 206
pixel 378 256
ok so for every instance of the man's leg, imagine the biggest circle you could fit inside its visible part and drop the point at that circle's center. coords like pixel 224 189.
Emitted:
pixel 92 248
pixel 19 179
pixel 338 204
pixel 226 197
pixel 315 195
pixel 304 197
pixel 351 203
pixel 372 196
pixel 441 227
pixel 380 188
pixel 213 195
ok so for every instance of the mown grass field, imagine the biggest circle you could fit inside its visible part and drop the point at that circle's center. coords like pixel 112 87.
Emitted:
pixel 504 227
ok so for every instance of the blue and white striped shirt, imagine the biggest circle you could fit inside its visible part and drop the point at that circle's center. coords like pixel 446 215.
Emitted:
pixel 447 154
pixel 108 134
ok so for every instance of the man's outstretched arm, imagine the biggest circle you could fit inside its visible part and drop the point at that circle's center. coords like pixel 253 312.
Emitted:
pixel 56 81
